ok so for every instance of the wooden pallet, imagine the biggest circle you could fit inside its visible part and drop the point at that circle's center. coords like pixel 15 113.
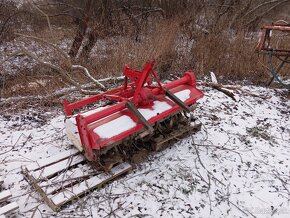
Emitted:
pixel 67 176
pixel 7 206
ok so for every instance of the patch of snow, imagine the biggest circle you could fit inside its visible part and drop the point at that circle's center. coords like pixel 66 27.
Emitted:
pixel 158 107
pixel 183 95
pixel 85 114
pixel 20 62
pixel 243 174
pixel 115 127
pixel 105 130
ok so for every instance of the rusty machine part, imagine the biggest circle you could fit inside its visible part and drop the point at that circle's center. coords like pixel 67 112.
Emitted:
pixel 142 114
pixel 274 45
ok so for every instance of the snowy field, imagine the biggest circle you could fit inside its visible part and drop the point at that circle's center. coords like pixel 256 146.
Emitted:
pixel 236 166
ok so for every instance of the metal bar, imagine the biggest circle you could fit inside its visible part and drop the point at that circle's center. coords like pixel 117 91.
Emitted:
pixel 276 51
pixel 178 82
pixel 177 101
pixel 142 79
pixel 69 107
pixel 101 114
pixel 140 117
pixel 158 145
pixel 280 28
pixel 278 69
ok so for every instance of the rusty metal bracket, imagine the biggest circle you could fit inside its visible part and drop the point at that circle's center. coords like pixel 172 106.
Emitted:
pixel 140 117
pixel 177 101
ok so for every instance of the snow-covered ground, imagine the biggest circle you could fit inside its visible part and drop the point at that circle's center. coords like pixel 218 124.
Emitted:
pixel 236 166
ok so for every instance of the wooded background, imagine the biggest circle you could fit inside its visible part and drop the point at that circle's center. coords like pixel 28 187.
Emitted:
pixel 103 35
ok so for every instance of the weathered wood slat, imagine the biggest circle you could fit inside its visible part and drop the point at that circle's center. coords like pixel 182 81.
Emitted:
pixel 57 167
pixel 64 180
pixel 35 185
pixel 89 184
pixel 4 195
pixel 8 208
pixel 61 179
pixel 51 160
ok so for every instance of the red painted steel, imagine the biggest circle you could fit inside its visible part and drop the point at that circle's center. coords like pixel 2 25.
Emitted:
pixel 264 44
pixel 280 28
pixel 142 93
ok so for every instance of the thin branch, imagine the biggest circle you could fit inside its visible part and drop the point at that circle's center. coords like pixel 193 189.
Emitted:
pixel 63 73
pixel 220 88
pixel 259 6
pixel 85 70
pixel 266 12
pixel 42 12
pixel 7 21
pixel 61 4
pixel 64 54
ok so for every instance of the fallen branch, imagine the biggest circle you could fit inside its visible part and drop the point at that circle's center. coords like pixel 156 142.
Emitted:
pixel 220 88
pixel 64 73
pixel 85 70
pixel 42 12
pixel 56 94
pixel 65 55
pixel 265 12
pixel 38 98
pixel 239 88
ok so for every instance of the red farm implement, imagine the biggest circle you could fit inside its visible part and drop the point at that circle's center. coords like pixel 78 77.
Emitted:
pixel 274 47
pixel 110 126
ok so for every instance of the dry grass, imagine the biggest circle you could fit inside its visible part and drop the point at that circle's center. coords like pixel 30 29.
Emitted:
pixel 230 55
pixel 176 43
pixel 110 55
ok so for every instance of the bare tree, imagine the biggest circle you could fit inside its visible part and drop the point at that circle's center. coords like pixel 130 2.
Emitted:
pixel 82 28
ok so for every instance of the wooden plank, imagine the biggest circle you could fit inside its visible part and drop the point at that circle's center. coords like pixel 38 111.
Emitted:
pixel 4 195
pixel 8 208
pixel 89 184
pixel 51 160
pixel 63 180
pixel 57 167
pixel 35 185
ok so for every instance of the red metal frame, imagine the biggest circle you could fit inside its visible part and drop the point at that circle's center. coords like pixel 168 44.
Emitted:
pixel 273 51
pixel 265 39
pixel 141 92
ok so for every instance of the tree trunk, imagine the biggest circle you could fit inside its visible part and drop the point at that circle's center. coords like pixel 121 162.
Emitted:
pixel 82 28
pixel 92 39
pixel 101 29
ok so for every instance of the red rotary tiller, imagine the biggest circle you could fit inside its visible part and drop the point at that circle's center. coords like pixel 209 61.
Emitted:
pixel 136 111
